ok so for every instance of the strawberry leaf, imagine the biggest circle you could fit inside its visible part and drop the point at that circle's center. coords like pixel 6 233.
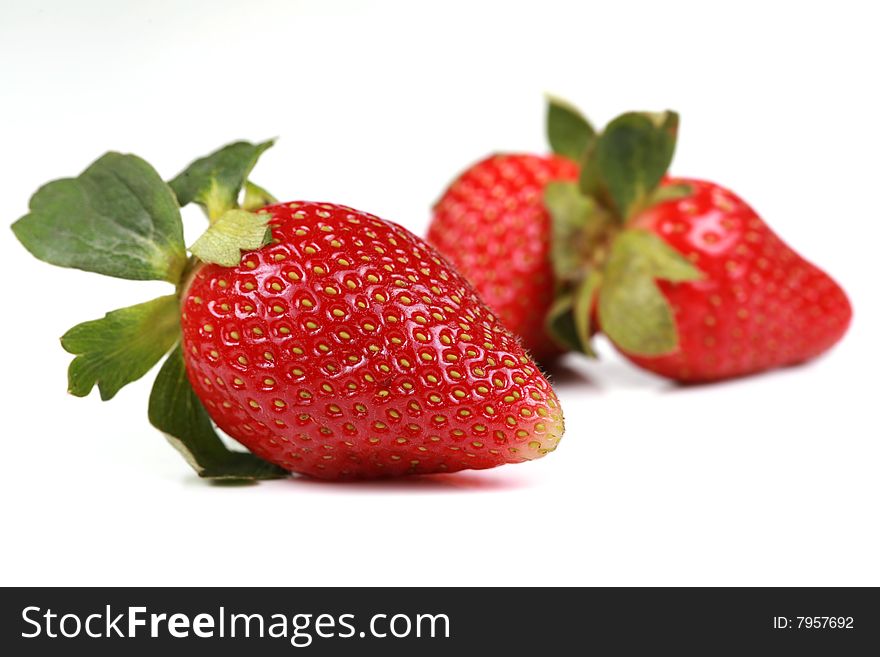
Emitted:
pixel 117 218
pixel 570 213
pixel 560 322
pixel 582 308
pixel 633 311
pixel 666 193
pixel 629 158
pixel 230 234
pixel 121 347
pixel 215 181
pixel 255 197
pixel 177 412
pixel 568 131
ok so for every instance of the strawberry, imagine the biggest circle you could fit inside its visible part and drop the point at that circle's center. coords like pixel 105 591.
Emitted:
pixel 349 348
pixel 757 304
pixel 682 275
pixel 327 341
pixel 493 226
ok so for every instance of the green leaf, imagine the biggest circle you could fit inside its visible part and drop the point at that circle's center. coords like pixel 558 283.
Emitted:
pixel 214 181
pixel 568 131
pixel 584 297
pixel 630 158
pixel 121 347
pixel 117 218
pixel 660 260
pixel 560 322
pixel 233 232
pixel 633 311
pixel 255 197
pixel 571 214
pixel 666 193
pixel 176 411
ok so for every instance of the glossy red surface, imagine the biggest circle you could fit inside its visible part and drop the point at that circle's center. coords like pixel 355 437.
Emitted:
pixel 349 348
pixel 760 305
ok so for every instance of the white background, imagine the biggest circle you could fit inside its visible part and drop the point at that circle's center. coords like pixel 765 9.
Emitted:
pixel 771 480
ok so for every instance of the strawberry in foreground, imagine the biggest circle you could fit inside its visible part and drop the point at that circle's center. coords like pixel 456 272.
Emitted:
pixel 683 277
pixel 327 341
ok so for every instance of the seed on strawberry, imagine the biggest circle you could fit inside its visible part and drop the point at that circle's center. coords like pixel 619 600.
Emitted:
pixel 328 341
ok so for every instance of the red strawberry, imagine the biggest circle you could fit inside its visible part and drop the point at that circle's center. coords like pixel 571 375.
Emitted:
pixel 758 304
pixel 328 341
pixel 493 226
pixel 349 348
pixel 683 277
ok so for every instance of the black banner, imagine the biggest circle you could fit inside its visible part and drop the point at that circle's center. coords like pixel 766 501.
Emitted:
pixel 438 621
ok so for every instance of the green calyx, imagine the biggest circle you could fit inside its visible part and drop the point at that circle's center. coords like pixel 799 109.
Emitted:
pixel 119 218
pixel 216 180
pixel 605 266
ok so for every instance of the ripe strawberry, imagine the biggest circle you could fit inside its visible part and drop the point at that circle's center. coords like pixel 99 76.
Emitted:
pixel 681 275
pixel 493 226
pixel 329 342
pixel 758 304
pixel 348 348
